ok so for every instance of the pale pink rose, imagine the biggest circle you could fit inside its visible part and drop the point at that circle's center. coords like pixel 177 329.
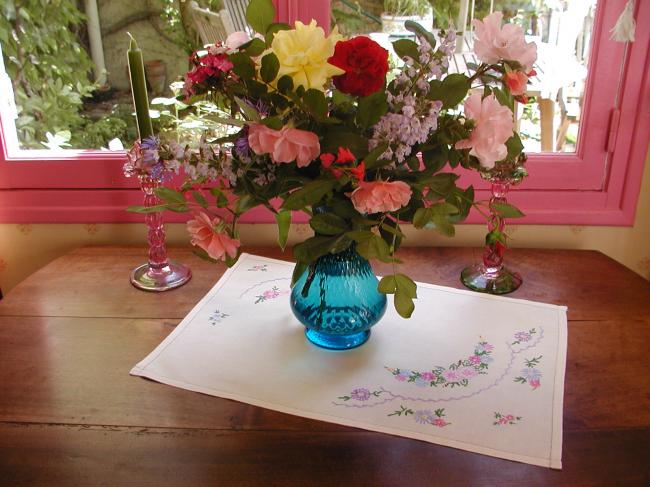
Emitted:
pixel 380 196
pixel 516 82
pixel 494 126
pixel 236 39
pixel 203 233
pixel 493 42
pixel 286 145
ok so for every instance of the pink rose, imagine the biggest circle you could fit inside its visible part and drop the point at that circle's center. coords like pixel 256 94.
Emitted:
pixel 516 82
pixel 380 196
pixel 203 233
pixel 286 145
pixel 493 43
pixel 494 126
pixel 535 383
pixel 428 376
pixel 236 39
pixel 439 422
pixel 474 359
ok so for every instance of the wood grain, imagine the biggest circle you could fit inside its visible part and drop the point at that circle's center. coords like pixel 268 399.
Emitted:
pixel 71 415
pixel 56 455
pixel 93 282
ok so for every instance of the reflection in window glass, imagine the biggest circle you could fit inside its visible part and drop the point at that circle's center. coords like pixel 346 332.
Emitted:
pixel 68 69
pixel 562 29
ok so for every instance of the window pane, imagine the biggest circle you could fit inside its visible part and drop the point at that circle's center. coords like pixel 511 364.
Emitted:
pixel 54 62
pixel 562 29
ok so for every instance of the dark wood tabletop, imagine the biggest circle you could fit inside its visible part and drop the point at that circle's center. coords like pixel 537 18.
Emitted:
pixel 70 414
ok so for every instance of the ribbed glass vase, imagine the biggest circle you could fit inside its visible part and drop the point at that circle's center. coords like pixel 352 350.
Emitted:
pixel 337 300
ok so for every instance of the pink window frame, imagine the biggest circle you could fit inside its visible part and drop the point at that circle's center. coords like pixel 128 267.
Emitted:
pixel 598 185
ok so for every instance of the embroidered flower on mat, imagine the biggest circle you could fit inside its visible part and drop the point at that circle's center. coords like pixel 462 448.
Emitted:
pixel 217 317
pixel 423 416
pixel 457 374
pixel 524 336
pixel 360 394
pixel 531 375
pixel 272 293
pixel 259 268
pixel 502 419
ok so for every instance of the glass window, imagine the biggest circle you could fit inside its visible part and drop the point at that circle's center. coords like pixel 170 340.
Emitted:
pixel 66 62
pixel 562 29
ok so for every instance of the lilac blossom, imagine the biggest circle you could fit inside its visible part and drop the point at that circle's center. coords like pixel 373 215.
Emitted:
pixel 361 394
pixel 411 117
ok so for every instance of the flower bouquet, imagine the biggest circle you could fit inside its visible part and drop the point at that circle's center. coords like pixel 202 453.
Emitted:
pixel 322 125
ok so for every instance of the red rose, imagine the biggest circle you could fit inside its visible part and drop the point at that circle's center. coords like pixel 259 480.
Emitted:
pixel 365 64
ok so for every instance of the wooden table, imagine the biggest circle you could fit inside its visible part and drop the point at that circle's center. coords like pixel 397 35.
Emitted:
pixel 70 414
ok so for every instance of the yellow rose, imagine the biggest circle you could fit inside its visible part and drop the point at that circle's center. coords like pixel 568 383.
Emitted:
pixel 303 53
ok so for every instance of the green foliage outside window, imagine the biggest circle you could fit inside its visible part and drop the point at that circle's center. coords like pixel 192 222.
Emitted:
pixel 49 71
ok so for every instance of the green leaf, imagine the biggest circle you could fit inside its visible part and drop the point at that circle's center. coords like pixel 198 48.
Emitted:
pixel 255 47
pixel 454 87
pixel 283 219
pixel 506 210
pixel 406 47
pixel 387 285
pixel 370 245
pixel 315 103
pixel 314 247
pixel 417 29
pixel 342 137
pixel 169 195
pixel 270 67
pixel 328 224
pixel 371 160
pixel 441 183
pixel 443 226
pixel 514 145
pixel 310 194
pixel 200 199
pixel 504 98
pixel 274 123
pixel 274 29
pixel 249 112
pixel 404 305
pixel 371 109
pixel 221 199
pixel 260 15
pixel 285 84
pixel 242 65
pixel 339 98
pixel 406 285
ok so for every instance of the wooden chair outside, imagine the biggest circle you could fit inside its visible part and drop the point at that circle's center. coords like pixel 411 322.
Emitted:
pixel 211 26
pixel 237 11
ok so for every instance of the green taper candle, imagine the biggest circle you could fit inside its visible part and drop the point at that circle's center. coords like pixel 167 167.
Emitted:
pixel 139 90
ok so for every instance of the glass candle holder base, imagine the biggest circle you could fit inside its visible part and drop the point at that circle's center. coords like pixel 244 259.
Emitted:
pixel 337 342
pixel 159 279
pixel 480 278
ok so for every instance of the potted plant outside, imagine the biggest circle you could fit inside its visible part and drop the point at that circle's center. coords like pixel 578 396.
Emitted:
pixel 398 12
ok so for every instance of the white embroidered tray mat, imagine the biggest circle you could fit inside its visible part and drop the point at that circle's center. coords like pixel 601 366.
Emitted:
pixel 467 370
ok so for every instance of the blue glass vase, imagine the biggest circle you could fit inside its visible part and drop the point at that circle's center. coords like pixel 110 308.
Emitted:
pixel 337 300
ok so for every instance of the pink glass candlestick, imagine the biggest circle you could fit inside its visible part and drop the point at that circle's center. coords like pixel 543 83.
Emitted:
pixel 159 274
pixel 491 276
